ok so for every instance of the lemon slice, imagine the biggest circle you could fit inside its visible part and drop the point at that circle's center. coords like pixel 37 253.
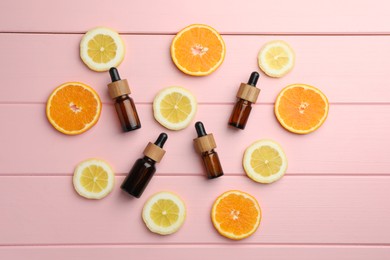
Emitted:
pixel 264 161
pixel 276 58
pixel 102 48
pixel 164 213
pixel 93 179
pixel 174 107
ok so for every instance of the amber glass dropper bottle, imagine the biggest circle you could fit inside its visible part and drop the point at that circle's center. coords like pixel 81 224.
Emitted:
pixel 124 105
pixel 247 94
pixel 144 168
pixel 205 145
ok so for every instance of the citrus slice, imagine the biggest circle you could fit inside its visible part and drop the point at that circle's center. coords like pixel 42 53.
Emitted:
pixel 198 50
pixel 164 213
pixel 236 214
pixel 73 108
pixel 102 48
pixel 174 107
pixel 301 108
pixel 264 161
pixel 93 179
pixel 276 58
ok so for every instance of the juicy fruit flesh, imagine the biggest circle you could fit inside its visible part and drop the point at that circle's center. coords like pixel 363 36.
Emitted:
pixel 175 107
pixel 266 161
pixel 301 108
pixel 198 49
pixel 236 214
pixel 102 48
pixel 94 178
pixel 164 212
pixel 73 107
pixel 277 58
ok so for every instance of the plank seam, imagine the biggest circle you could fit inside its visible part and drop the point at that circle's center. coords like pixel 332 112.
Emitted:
pixel 214 103
pixel 202 174
pixel 222 33
pixel 211 244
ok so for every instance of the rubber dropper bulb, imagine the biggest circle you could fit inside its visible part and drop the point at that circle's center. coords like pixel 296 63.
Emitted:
pixel 200 129
pixel 114 74
pixel 162 138
pixel 253 79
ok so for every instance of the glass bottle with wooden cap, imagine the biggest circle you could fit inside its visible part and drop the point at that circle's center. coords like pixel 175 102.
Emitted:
pixel 124 105
pixel 247 94
pixel 144 168
pixel 205 145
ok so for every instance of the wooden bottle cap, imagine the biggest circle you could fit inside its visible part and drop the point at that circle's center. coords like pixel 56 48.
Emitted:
pixel 154 152
pixel 118 88
pixel 205 143
pixel 248 92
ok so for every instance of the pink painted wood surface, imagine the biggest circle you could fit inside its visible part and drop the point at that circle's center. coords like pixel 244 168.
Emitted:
pixel 346 68
pixel 301 16
pixel 333 202
pixel 188 252
pixel 353 140
pixel 296 210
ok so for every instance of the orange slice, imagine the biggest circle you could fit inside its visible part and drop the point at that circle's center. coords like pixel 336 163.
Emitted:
pixel 73 108
pixel 301 108
pixel 198 50
pixel 236 214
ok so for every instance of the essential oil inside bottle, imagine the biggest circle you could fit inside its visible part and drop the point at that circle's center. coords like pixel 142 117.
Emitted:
pixel 124 105
pixel 144 168
pixel 205 145
pixel 246 95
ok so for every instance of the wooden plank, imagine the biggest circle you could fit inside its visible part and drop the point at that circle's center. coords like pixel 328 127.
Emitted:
pixel 353 140
pixel 296 210
pixel 301 16
pixel 189 252
pixel 346 68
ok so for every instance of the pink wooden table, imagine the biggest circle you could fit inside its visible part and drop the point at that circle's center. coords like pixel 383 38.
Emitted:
pixel 333 202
